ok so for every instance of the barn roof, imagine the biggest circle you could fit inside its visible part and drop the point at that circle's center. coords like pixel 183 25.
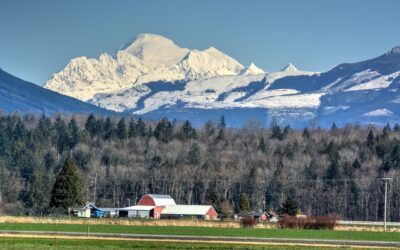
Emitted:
pixel 137 208
pixel 186 210
pixel 162 199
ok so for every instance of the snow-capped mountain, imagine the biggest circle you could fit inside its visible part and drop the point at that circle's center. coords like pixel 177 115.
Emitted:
pixel 252 69
pixel 289 68
pixel 147 58
pixel 153 77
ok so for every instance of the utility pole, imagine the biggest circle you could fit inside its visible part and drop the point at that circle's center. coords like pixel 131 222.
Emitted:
pixel 384 213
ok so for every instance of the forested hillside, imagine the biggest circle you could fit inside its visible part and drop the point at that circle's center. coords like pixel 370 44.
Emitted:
pixel 324 171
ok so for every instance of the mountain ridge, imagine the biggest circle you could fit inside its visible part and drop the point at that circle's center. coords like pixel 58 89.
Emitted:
pixel 17 95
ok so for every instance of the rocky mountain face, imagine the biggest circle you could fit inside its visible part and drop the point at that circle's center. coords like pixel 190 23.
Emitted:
pixel 153 77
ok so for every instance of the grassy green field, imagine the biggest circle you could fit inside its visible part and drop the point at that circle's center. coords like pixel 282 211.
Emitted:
pixel 24 243
pixel 209 231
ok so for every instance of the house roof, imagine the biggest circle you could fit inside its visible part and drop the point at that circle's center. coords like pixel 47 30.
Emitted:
pixel 137 208
pixel 162 199
pixel 91 205
pixel 186 210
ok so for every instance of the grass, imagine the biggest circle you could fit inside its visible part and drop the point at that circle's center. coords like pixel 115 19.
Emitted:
pixel 209 231
pixel 39 243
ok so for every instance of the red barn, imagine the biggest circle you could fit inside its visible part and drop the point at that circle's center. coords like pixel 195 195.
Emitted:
pixel 164 206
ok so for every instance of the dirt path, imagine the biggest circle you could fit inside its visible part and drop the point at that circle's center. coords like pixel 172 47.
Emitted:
pixel 200 239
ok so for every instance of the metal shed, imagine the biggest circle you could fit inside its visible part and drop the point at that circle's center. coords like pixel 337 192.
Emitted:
pixel 135 211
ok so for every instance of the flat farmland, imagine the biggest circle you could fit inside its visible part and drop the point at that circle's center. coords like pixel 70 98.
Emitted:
pixel 11 243
pixel 206 231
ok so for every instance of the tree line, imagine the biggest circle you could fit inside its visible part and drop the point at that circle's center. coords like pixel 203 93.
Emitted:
pixel 324 171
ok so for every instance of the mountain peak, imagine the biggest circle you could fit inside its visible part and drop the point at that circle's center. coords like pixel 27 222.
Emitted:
pixel 155 50
pixel 289 68
pixel 252 69
pixel 395 50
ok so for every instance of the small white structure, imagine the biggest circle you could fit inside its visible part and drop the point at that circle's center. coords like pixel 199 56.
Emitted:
pixel 135 211
pixel 82 213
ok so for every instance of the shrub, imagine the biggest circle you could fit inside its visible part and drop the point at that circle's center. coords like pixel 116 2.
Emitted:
pixel 312 222
pixel 248 221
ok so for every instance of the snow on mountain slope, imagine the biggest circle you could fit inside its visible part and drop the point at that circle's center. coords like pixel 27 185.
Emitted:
pixel 155 50
pixel 375 82
pixel 83 77
pixel 209 63
pixel 252 69
pixel 147 58
pixel 241 91
pixel 289 68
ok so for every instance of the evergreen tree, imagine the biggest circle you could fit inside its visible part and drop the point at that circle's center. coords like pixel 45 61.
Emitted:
pixel 164 131
pixel 121 129
pixel 37 195
pixel 141 128
pixel 286 131
pixel 62 132
pixel 212 198
pixel 49 160
pixel 356 164
pixel 73 133
pixel 370 139
pixel 108 129
pixel 68 187
pixel 244 202
pixel 396 127
pixel 306 133
pixel 289 206
pixel 132 129
pixel 91 125
pixel 332 176
pixel 222 123
pixel 221 135
pixel 262 146
pixel 334 127
pixel 19 130
pixel 275 188
pixel 276 132
pixel 186 132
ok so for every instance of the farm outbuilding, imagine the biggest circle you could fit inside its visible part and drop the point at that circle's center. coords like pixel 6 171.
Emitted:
pixel 156 200
pixel 91 210
pixel 136 211
pixel 189 211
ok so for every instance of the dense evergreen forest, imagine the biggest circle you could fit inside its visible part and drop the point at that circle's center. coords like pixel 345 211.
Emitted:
pixel 325 171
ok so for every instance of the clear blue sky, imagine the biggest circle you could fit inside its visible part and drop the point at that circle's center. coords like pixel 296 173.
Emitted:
pixel 38 38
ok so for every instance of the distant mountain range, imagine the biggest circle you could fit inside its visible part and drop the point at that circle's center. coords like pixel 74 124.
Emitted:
pixel 153 77
pixel 17 95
